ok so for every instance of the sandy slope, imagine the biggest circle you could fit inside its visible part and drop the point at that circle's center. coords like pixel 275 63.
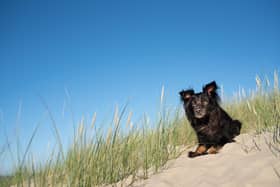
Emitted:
pixel 248 162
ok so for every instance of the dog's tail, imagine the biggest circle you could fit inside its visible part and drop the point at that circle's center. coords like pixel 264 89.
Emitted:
pixel 235 127
pixel 231 130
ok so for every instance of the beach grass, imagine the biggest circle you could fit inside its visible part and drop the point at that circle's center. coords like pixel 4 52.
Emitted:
pixel 132 151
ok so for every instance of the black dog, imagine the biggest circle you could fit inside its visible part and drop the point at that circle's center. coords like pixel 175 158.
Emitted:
pixel 213 126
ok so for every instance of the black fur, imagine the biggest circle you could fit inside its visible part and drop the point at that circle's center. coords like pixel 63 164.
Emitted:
pixel 213 126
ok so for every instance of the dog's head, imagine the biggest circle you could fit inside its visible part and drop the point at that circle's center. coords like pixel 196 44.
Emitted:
pixel 200 104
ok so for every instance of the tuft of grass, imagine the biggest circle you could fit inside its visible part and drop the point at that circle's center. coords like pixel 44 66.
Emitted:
pixel 133 151
pixel 259 110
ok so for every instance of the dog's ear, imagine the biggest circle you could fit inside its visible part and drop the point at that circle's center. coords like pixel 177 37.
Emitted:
pixel 211 89
pixel 186 94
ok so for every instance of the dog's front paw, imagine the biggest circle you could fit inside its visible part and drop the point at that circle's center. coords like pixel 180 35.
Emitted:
pixel 195 154
pixel 192 154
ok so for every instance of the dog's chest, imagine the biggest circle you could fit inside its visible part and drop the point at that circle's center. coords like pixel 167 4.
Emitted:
pixel 205 129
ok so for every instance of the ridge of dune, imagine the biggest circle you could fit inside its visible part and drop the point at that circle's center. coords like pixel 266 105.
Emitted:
pixel 247 162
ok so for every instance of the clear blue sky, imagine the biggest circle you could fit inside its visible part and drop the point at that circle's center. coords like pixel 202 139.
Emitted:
pixel 109 52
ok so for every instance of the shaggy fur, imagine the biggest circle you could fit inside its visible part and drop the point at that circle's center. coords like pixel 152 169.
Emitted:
pixel 213 126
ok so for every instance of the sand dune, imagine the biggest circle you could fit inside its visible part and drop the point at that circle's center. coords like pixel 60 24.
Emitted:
pixel 247 162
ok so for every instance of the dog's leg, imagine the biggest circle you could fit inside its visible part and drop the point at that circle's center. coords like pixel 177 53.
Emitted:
pixel 200 150
pixel 214 149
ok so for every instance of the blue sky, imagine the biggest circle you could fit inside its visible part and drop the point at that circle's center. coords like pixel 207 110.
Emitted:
pixel 108 53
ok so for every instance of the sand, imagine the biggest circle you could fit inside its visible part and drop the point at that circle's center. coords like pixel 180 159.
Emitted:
pixel 247 162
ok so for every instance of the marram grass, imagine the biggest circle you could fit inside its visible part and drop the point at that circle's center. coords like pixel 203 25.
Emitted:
pixel 135 151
